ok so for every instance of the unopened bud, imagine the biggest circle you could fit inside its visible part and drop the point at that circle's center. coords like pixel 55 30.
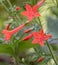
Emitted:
pixel 27 37
pixel 40 59
pixel 17 8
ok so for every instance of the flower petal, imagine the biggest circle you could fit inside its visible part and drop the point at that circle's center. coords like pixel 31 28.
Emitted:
pixel 7 37
pixel 37 14
pixel 30 18
pixel 35 41
pixel 41 43
pixel 24 13
pixel 46 37
pixel 35 34
pixel 41 32
pixel 35 7
pixel 5 32
pixel 28 7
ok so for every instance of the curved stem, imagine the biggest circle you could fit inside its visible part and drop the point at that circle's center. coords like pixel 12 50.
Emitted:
pixel 57 3
pixel 5 6
pixel 51 51
pixel 50 48
pixel 9 3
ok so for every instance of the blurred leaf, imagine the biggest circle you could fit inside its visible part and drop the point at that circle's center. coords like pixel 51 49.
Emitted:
pixel 6 49
pixel 52 25
pixel 24 45
pixel 55 11
pixel 3 63
pixel 1 23
pixel 2 0
pixel 55 47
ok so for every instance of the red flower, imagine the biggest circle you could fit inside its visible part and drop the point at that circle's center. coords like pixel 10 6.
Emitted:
pixel 40 37
pixel 30 12
pixel 8 33
pixel 27 37
pixel 40 59
pixel 17 8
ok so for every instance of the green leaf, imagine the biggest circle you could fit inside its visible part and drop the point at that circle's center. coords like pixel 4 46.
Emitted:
pixel 23 45
pixel 5 49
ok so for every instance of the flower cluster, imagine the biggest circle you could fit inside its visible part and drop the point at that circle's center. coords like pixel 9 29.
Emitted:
pixel 39 37
pixel 30 13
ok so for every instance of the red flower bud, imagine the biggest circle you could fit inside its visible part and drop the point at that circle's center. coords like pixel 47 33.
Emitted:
pixel 28 30
pixel 17 8
pixel 40 59
pixel 27 37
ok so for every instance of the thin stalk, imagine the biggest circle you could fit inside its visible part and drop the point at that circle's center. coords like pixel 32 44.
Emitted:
pixel 39 23
pixel 8 9
pixel 9 3
pixel 16 60
pixel 51 51
pixel 11 6
pixel 57 3
pixel 33 2
pixel 18 18
pixel 5 6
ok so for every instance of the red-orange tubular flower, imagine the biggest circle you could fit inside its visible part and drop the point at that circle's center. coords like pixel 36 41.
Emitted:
pixel 40 37
pixel 27 37
pixel 8 33
pixel 31 12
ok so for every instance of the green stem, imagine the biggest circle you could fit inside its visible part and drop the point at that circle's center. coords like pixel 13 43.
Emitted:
pixel 5 6
pixel 9 3
pixel 50 48
pixel 39 22
pixel 57 3
pixel 51 51
pixel 16 60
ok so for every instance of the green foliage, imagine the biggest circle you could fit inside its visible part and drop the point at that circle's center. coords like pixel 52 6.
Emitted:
pixel 14 47
pixel 6 49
